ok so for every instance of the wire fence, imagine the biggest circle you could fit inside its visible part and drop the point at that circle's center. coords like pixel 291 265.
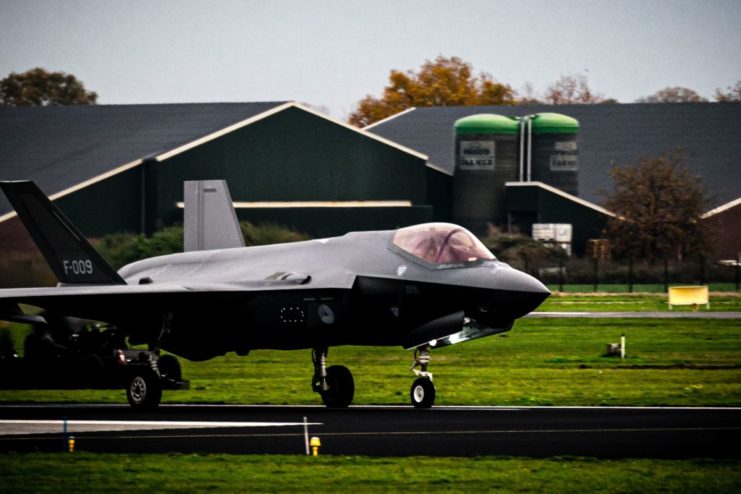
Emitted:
pixel 631 275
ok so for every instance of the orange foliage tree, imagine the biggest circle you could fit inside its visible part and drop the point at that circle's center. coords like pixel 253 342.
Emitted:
pixel 442 82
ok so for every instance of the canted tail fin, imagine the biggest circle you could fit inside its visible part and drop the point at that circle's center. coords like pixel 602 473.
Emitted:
pixel 209 218
pixel 69 254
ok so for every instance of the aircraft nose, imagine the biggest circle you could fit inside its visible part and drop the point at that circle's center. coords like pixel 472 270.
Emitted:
pixel 520 292
pixel 514 280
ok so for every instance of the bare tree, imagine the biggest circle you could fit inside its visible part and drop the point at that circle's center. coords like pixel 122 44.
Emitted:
pixel 675 94
pixel 571 89
pixel 732 94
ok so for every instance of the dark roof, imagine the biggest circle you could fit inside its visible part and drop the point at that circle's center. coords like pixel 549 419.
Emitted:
pixel 710 133
pixel 61 146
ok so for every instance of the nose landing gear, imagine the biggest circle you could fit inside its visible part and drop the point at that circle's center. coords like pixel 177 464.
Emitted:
pixel 422 392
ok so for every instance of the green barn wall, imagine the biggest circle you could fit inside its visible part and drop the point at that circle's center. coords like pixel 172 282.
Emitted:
pixel 112 205
pixel 293 156
pixel 330 222
pixel 527 205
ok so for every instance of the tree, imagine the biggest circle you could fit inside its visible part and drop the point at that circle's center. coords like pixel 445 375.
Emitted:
pixel 732 94
pixel 442 82
pixel 572 89
pixel 658 204
pixel 37 87
pixel 675 94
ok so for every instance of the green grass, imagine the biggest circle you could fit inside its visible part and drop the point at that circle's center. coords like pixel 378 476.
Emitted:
pixel 625 302
pixel 540 362
pixel 80 472
pixel 637 288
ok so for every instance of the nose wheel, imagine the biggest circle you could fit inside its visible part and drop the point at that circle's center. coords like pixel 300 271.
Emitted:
pixel 422 392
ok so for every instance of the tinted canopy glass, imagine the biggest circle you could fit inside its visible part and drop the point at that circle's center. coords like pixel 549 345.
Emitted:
pixel 441 244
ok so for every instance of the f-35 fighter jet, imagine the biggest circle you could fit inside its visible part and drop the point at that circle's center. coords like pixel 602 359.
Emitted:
pixel 421 287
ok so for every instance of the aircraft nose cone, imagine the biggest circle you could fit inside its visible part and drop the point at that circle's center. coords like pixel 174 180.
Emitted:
pixel 523 292
pixel 514 280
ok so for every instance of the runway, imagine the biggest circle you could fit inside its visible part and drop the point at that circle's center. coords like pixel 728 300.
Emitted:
pixel 603 432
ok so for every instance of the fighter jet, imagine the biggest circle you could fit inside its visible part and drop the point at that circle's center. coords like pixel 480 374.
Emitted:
pixel 421 287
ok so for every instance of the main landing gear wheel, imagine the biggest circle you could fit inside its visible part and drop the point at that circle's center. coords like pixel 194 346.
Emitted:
pixel 144 390
pixel 341 387
pixel 422 393
pixel 334 384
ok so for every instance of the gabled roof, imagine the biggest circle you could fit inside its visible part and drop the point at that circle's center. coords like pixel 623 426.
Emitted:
pixel 60 147
pixel 563 194
pixel 710 133
pixel 66 148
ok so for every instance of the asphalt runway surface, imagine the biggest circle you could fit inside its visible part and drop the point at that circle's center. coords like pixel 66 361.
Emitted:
pixel 602 432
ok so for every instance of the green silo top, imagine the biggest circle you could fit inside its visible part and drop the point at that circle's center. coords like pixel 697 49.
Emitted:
pixel 554 123
pixel 486 123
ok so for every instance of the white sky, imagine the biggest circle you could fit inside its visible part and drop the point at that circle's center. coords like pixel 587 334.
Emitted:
pixel 331 53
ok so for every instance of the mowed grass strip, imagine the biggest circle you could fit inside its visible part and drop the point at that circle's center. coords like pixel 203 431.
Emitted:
pixel 81 472
pixel 685 362
pixel 635 302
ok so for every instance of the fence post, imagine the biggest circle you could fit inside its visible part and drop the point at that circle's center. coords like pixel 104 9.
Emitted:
pixel 702 269
pixel 738 269
pixel 596 273
pixel 630 275
pixel 560 276
pixel 666 275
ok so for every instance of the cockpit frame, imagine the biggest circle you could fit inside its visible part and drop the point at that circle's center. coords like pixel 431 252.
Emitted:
pixel 439 246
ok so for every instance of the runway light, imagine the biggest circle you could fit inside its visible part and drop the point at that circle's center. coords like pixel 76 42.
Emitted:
pixel 315 444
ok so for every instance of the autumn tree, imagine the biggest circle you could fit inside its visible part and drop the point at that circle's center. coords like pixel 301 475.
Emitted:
pixel 675 94
pixel 38 87
pixel 731 94
pixel 657 203
pixel 442 82
pixel 572 89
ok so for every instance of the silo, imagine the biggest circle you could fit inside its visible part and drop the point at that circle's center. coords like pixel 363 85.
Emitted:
pixel 485 158
pixel 554 157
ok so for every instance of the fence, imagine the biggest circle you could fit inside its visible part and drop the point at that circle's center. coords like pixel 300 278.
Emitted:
pixel 631 274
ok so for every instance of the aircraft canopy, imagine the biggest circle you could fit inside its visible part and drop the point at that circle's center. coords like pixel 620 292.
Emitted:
pixel 441 244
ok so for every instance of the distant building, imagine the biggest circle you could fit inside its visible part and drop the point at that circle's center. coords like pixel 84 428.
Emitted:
pixel 608 135
pixel 121 168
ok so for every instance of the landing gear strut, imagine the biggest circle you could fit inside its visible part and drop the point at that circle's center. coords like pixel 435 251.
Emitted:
pixel 422 393
pixel 335 384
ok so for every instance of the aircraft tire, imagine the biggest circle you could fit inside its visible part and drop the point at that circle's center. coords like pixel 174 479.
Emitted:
pixel 169 367
pixel 341 387
pixel 144 390
pixel 422 393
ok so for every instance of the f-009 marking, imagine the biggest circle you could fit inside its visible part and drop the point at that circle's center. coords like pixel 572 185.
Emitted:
pixel 77 266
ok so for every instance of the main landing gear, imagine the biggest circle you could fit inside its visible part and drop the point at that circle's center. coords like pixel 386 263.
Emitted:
pixel 422 393
pixel 335 384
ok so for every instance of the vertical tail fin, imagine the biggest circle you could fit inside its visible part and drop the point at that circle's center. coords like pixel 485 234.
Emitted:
pixel 70 256
pixel 209 218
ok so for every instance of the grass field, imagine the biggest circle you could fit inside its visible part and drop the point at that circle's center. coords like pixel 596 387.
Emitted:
pixel 80 472
pixel 628 302
pixel 540 362
pixel 637 288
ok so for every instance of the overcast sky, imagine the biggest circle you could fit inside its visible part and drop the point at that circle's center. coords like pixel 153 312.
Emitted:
pixel 331 53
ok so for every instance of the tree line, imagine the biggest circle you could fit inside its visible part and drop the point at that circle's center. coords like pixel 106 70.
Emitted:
pixel 450 81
